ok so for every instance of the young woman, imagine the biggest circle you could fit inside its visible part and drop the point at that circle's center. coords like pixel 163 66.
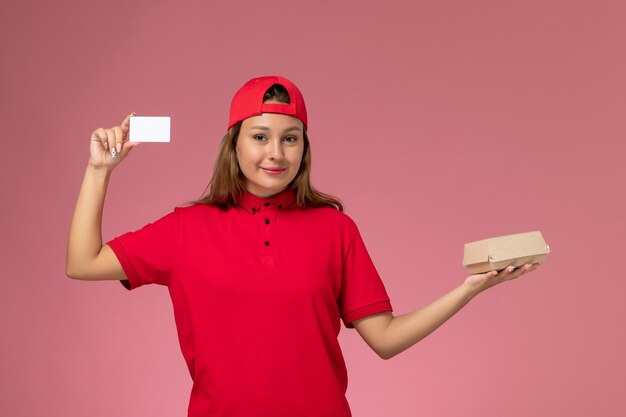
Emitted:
pixel 261 270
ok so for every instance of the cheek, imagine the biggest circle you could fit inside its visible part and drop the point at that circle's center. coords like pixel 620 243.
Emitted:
pixel 298 156
pixel 247 155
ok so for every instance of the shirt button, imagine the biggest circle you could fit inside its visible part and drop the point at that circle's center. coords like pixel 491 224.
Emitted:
pixel 267 243
pixel 280 206
pixel 253 210
pixel 267 204
pixel 267 221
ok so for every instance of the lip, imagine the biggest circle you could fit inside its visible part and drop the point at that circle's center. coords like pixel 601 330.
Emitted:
pixel 273 171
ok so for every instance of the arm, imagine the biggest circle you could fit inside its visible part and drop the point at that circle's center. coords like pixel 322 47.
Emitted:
pixel 85 238
pixel 389 335
pixel 86 257
pixel 407 329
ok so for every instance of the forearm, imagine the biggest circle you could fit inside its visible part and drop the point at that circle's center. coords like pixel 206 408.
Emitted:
pixel 85 237
pixel 407 329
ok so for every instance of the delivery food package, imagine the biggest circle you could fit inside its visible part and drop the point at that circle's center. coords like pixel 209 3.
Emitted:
pixel 499 252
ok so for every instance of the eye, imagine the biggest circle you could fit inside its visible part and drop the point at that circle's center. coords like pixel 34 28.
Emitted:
pixel 291 139
pixel 258 136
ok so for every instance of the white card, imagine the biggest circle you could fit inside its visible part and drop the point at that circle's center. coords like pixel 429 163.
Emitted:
pixel 149 129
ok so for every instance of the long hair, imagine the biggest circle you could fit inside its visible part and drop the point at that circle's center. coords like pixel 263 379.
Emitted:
pixel 228 182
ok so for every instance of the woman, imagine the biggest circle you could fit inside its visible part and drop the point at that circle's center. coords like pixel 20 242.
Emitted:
pixel 261 270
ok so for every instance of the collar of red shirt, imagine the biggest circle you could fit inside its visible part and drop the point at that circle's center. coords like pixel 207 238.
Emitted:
pixel 253 204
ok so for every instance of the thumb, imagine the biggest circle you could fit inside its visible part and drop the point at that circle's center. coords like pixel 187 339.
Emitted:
pixel 128 146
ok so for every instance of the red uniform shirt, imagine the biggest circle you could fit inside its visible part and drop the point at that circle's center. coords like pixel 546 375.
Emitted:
pixel 258 294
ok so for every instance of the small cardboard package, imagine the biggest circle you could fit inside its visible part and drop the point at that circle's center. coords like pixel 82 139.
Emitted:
pixel 499 252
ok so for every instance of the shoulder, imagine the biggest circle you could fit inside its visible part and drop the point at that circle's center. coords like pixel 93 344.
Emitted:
pixel 333 219
pixel 343 219
pixel 197 210
pixel 190 216
pixel 329 213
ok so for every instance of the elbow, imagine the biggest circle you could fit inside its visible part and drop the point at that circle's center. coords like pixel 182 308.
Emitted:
pixel 388 356
pixel 68 271
pixel 389 350
pixel 71 272
pixel 385 355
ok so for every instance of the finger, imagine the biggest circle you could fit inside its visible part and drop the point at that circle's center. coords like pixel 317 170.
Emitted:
pixel 506 272
pixel 111 141
pixel 488 276
pixel 128 146
pixel 518 271
pixel 100 135
pixel 523 269
pixel 119 138
pixel 126 123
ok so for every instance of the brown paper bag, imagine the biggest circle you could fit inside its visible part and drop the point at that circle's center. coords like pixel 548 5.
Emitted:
pixel 499 252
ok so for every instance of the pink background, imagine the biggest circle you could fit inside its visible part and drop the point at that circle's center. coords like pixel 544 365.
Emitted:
pixel 436 123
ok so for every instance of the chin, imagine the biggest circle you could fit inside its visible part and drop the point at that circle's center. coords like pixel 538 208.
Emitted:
pixel 273 188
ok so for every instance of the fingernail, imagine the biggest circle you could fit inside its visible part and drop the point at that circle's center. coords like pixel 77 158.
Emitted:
pixel 119 147
pixel 510 268
pixel 113 152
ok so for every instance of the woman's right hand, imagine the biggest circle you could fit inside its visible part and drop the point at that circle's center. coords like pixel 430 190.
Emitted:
pixel 103 140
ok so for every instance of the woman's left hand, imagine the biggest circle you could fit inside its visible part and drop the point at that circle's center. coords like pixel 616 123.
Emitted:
pixel 480 282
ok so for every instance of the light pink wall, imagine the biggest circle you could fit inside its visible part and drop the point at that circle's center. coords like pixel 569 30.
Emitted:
pixel 436 123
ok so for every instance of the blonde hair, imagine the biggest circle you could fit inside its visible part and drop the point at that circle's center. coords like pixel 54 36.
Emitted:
pixel 228 182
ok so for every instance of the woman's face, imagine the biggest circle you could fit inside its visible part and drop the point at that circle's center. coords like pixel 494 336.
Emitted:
pixel 269 151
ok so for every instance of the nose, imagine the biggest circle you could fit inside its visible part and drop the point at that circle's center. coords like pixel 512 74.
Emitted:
pixel 276 149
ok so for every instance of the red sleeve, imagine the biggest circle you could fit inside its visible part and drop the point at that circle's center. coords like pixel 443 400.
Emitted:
pixel 148 255
pixel 363 292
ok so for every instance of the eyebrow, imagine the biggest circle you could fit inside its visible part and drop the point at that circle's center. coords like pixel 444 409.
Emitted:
pixel 267 128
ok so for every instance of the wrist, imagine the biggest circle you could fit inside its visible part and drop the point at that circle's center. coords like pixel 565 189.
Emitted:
pixel 98 172
pixel 470 291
